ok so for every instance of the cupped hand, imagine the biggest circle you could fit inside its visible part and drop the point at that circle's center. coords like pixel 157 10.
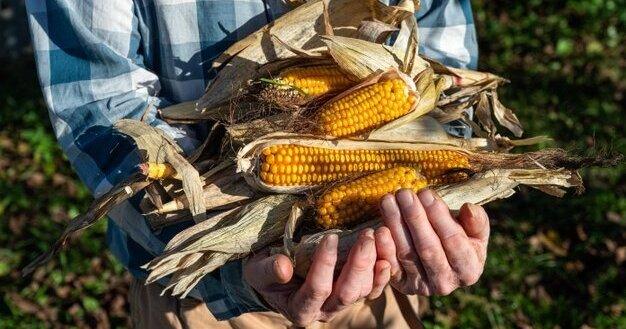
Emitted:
pixel 430 251
pixel 319 296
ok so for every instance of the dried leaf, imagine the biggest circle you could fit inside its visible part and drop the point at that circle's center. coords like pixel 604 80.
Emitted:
pixel 299 28
pixel 506 117
pixel 99 207
pixel 251 228
pixel 362 58
pixel 375 31
pixel 483 114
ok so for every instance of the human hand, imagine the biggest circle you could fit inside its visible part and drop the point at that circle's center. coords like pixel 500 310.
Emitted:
pixel 430 252
pixel 319 297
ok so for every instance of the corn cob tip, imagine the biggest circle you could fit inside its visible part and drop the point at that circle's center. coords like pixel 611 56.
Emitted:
pixel 315 80
pixel 156 171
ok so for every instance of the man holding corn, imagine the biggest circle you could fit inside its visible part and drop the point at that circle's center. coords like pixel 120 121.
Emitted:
pixel 100 61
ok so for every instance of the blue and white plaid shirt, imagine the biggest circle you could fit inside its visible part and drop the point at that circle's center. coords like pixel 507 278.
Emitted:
pixel 103 60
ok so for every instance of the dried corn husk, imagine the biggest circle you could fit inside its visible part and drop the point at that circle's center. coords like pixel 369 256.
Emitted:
pixel 480 189
pixel 361 58
pixel 154 146
pixel 248 157
pixel 212 243
pixel 425 94
pixel 300 29
pixel 223 193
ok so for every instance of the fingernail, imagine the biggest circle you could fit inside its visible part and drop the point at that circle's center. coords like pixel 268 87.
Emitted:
pixel 427 197
pixel 331 242
pixel 368 232
pixel 388 206
pixel 277 269
pixel 405 197
pixel 476 211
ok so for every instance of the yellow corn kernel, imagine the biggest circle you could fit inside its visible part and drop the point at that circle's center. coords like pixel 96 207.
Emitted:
pixel 316 80
pixel 316 165
pixel 365 109
pixel 348 203
pixel 157 170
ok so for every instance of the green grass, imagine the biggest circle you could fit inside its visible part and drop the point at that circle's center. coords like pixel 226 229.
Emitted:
pixel 552 262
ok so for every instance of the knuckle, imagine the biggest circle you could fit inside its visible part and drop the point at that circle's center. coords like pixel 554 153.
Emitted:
pixel 443 289
pixel 447 290
pixel 444 286
pixel 301 320
pixel 455 239
pixel 470 277
pixel 346 299
pixel 406 254
pixel 319 293
pixel 361 266
pixel 429 253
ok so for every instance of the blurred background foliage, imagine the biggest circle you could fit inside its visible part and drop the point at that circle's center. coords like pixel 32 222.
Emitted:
pixel 553 263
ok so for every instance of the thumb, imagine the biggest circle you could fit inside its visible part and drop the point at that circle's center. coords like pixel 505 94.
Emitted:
pixel 475 222
pixel 263 270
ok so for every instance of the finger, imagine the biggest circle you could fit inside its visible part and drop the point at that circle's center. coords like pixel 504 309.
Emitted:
pixel 307 301
pixel 475 222
pixel 399 232
pixel 357 276
pixel 268 270
pixel 427 243
pixel 382 275
pixel 386 250
pixel 460 253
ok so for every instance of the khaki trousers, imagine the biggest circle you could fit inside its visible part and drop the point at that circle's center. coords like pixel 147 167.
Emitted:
pixel 150 310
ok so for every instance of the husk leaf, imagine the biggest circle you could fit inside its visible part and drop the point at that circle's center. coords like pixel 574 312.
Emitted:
pixel 253 227
pixel 300 28
pixel 482 188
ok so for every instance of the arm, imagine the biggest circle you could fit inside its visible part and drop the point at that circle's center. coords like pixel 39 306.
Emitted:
pixel 93 71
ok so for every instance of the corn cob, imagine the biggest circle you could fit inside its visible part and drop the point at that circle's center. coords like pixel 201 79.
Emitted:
pixel 315 80
pixel 157 170
pixel 366 109
pixel 346 204
pixel 294 165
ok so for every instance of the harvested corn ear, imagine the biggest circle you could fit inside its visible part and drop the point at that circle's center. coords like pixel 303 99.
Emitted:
pixel 366 109
pixel 315 80
pixel 294 165
pixel 345 204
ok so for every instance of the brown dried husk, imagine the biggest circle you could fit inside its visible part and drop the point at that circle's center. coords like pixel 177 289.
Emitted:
pixel 209 245
pixel 482 188
pixel 361 58
pixel 302 121
pixel 153 146
pixel 223 189
pixel 298 30
pixel 467 88
pixel 249 156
